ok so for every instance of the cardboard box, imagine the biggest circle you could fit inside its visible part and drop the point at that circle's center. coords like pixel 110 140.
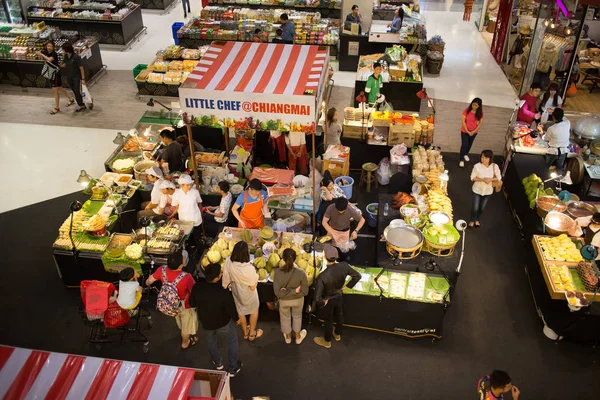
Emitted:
pixel 353 131
pixel 402 128
pixel 336 168
pixel 395 138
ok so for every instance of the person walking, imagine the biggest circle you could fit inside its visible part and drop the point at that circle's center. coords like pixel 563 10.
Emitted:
pixel 472 118
pixel 75 74
pixel 493 386
pixel 218 316
pixel 240 274
pixel 186 7
pixel 485 176
pixel 328 294
pixel 290 286
pixel 50 57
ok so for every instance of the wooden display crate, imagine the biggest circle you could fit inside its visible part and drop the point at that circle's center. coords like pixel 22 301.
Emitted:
pixel 545 266
pixel 337 168
pixel 353 131
pixel 398 135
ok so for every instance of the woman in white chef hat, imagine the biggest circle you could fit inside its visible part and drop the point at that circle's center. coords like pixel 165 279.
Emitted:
pixel 187 202
pixel 155 176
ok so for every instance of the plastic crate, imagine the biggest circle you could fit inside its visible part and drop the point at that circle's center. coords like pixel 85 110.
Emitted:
pixel 176 27
pixel 139 68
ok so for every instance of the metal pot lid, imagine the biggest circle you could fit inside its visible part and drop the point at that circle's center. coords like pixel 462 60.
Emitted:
pixel 575 165
pixel 405 237
pixel 588 127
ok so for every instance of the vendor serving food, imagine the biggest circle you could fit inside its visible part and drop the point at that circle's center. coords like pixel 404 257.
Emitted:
pixel 557 136
pixel 253 204
pixel 337 222
pixel 155 176
pixel 171 158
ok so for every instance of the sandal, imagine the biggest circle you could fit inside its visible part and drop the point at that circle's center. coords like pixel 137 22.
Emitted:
pixel 70 102
pixel 477 224
pixel 257 334
pixel 471 224
pixel 193 341
pixel 54 111
pixel 247 333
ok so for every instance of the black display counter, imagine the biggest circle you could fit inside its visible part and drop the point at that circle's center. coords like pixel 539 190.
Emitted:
pixel 157 89
pixel 26 73
pixel 192 43
pixel 401 95
pixel 160 5
pixel 110 32
pixel 324 9
pixel 580 326
pixel 353 46
pixel 361 152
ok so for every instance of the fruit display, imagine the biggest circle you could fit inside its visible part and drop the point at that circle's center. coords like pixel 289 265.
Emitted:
pixel 534 187
pixel 562 278
pixel 172 78
pixel 155 78
pixel 438 201
pixel 428 160
pixel 559 248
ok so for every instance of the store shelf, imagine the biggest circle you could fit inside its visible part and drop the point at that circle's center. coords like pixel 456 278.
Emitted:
pixel 326 12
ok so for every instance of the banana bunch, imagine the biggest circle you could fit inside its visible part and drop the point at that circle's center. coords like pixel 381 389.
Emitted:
pixel 438 201
pixel 95 223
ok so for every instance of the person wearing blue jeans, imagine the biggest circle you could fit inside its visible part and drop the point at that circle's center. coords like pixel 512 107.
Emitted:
pixel 188 10
pixel 485 176
pixel 218 316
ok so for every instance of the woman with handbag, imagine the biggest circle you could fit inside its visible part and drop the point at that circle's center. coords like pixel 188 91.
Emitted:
pixel 51 71
pixel 485 177
pixel 291 286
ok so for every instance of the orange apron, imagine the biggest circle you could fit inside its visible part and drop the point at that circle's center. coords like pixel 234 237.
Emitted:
pixel 252 213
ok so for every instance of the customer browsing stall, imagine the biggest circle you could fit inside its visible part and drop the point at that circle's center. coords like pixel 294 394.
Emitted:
pixel 528 109
pixel 337 222
pixel 188 203
pixel 485 176
pixel 156 177
pixel 288 30
pixel 171 158
pixel 334 129
pixel 220 213
pixel 374 84
pixel 253 206
pixel 297 155
pixel 328 294
pixel 557 136
pixel 550 101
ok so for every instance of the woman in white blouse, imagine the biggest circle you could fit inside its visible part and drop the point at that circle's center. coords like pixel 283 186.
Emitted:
pixel 484 176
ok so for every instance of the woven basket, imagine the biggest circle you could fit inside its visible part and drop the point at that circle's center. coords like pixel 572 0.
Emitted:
pixel 404 254
pixel 440 250
pixel 437 47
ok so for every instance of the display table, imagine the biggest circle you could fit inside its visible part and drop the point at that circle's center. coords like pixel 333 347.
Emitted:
pixel 28 73
pixel 120 33
pixel 401 95
pixel 351 48
pixel 159 5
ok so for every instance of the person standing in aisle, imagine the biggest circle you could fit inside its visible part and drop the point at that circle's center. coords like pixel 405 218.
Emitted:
pixel 75 74
pixel 218 316
pixel 297 155
pixel 253 204
pixel 288 30
pixel 290 286
pixel 485 176
pixel 186 10
pixel 328 294
pixel 51 58
pixel 493 386
pixel 528 112
pixel 557 136
pixel 374 84
pixel 240 274
pixel 334 129
pixel 472 118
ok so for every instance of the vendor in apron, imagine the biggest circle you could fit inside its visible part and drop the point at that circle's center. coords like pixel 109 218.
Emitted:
pixel 188 203
pixel 337 222
pixel 253 206
pixel 557 137
pixel 297 155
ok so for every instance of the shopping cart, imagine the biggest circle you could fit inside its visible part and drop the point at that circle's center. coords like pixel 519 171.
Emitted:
pixel 108 322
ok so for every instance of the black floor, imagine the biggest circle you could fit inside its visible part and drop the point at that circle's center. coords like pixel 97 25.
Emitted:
pixel 492 323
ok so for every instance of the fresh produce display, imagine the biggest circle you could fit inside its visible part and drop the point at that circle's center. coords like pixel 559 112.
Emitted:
pixel 438 201
pixel 134 251
pixel 559 248
pixel 534 187
pixel 85 10
pixel 562 278
pixel 441 234
pixel 428 160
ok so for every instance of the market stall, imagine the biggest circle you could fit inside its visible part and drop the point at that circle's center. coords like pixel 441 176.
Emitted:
pixel 21 66
pixel 117 25
pixel 402 75
pixel 157 5
pixel 41 374
pixel 239 24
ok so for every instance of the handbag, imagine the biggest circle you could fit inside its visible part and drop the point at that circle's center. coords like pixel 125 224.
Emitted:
pixel 497 184
pixel 276 302
pixel 49 70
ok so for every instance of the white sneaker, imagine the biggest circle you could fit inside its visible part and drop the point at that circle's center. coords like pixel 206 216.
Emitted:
pixel 302 336
pixel 288 340
pixel 467 159
pixel 461 164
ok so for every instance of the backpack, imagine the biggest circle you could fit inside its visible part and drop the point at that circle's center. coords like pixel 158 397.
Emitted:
pixel 168 299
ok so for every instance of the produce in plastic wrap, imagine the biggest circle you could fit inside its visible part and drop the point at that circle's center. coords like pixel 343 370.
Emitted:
pixel 156 78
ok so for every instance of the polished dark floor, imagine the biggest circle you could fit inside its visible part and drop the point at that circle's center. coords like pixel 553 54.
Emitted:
pixel 492 323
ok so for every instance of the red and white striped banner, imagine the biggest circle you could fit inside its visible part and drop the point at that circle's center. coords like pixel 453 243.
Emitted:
pixel 31 374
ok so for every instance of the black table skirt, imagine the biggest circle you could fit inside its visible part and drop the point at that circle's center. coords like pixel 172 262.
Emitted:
pixel 361 152
pixel 154 4
pixel 401 95
pixel 581 326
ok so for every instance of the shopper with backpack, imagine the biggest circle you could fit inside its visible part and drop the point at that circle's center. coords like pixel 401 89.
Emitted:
pixel 173 298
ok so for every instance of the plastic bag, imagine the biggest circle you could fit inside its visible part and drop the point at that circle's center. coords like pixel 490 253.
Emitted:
pixel 85 95
pixel 386 107
pixel 384 172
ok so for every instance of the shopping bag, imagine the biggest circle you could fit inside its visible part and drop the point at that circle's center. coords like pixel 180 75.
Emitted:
pixel 386 107
pixel 49 71
pixel 384 172
pixel 85 95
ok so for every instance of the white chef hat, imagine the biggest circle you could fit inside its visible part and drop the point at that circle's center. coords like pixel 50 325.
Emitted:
pixel 185 179
pixel 167 185
pixel 154 171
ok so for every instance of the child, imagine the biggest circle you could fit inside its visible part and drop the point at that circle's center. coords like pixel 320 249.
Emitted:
pixel 278 38
pixel 130 291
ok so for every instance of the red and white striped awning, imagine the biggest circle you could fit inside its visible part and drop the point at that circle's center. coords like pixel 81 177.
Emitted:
pixel 32 374
pixel 267 68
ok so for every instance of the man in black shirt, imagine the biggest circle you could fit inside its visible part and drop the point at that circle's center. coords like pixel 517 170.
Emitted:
pixel 328 294
pixel 172 155
pixel 218 315
pixel 75 74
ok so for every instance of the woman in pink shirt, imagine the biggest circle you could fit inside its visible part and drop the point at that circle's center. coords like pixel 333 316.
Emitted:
pixel 472 118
